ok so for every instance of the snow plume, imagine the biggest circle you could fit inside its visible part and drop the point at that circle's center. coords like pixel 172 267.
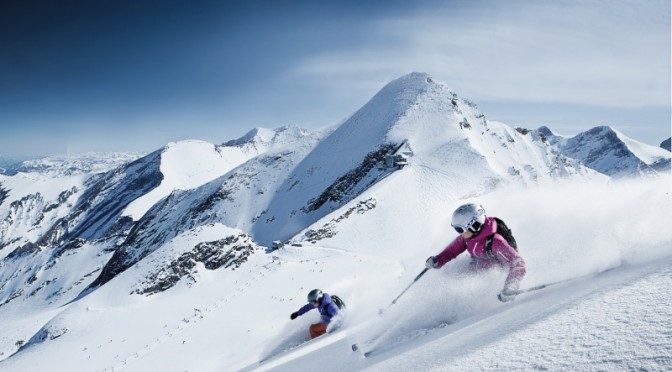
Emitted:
pixel 572 228
pixel 292 335
pixel 565 230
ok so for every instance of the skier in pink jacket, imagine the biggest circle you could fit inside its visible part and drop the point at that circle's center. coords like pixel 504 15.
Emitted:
pixel 488 248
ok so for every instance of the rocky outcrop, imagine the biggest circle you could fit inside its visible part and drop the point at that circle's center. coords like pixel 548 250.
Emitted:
pixel 666 144
pixel 230 252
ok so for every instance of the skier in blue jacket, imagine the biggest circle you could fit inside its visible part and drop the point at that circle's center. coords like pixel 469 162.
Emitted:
pixel 328 310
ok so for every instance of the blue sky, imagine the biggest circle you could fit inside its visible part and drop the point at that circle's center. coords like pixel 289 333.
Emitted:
pixel 81 75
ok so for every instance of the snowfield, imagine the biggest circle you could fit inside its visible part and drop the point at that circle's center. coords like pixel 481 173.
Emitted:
pixel 617 320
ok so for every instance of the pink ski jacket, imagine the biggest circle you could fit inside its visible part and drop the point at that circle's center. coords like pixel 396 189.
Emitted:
pixel 504 254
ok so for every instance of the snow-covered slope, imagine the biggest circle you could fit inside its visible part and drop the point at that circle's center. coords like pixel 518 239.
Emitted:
pixel 227 319
pixel 188 164
pixel 155 259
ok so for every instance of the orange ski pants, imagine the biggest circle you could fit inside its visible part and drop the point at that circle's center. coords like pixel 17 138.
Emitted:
pixel 318 329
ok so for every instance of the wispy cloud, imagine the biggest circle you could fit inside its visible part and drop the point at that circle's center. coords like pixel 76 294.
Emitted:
pixel 608 53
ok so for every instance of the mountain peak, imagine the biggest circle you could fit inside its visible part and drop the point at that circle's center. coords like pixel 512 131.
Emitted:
pixel 408 87
pixel 414 80
pixel 416 91
pixel 601 130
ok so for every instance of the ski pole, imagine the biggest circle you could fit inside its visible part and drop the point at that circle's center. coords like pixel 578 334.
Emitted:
pixel 380 312
pixel 534 288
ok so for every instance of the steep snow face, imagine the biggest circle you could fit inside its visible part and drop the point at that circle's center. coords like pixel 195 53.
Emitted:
pixel 611 152
pixel 99 212
pixel 366 130
pixel 185 165
pixel 347 161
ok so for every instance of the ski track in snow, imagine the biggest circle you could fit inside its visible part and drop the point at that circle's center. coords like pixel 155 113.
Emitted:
pixel 199 315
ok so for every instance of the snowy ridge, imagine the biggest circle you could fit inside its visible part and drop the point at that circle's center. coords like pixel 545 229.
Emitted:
pixel 188 164
pixel 611 152
pixel 142 267
pixel 260 140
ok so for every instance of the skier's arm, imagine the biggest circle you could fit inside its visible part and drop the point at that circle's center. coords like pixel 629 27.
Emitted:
pixel 453 250
pixel 305 308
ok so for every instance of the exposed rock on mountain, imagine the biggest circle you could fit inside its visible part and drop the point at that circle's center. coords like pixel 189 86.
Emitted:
pixel 610 152
pixel 230 252
pixel 666 144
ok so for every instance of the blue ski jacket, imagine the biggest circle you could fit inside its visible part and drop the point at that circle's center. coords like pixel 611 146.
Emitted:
pixel 327 308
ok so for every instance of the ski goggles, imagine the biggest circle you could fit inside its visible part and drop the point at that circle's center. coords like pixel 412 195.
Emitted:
pixel 473 226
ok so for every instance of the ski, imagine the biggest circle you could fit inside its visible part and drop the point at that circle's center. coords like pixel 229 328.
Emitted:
pixel 355 347
pixel 372 341
pixel 375 347
pixel 542 286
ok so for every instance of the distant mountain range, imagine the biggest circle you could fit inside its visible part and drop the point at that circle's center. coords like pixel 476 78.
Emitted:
pixel 610 152
pixel 68 165
pixel 70 225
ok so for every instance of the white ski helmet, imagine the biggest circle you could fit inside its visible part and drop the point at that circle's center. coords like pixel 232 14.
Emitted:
pixel 315 295
pixel 468 216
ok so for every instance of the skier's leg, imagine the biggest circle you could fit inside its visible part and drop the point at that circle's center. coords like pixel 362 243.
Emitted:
pixel 318 329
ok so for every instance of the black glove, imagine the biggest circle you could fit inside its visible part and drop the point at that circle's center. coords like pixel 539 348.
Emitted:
pixel 294 316
pixel 431 262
